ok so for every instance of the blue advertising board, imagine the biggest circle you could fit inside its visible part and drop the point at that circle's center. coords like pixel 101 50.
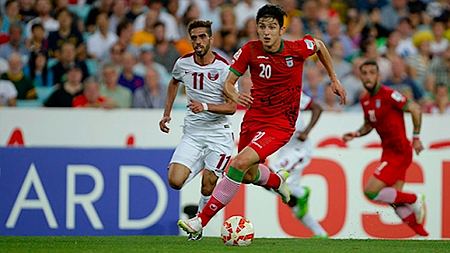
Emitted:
pixel 68 191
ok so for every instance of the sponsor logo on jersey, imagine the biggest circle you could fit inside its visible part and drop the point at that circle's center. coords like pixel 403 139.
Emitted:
pixel 262 57
pixel 377 103
pixel 309 44
pixel 237 54
pixel 366 103
pixel 397 96
pixel 289 61
pixel 213 75
pixel 186 72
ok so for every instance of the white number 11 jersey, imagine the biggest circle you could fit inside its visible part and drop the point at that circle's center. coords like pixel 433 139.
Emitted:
pixel 204 83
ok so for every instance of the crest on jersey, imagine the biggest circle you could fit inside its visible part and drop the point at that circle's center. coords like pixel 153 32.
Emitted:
pixel 377 103
pixel 213 75
pixel 289 61
pixel 309 44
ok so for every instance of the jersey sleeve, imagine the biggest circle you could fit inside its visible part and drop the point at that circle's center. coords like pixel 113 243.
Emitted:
pixel 398 100
pixel 308 46
pixel 241 60
pixel 176 71
pixel 305 102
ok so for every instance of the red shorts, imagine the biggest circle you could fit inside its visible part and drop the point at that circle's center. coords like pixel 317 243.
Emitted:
pixel 264 139
pixel 393 168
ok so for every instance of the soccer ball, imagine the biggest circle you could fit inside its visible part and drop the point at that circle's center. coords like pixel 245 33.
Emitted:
pixel 237 231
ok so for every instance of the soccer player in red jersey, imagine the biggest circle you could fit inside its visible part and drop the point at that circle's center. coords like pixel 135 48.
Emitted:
pixel 383 110
pixel 276 67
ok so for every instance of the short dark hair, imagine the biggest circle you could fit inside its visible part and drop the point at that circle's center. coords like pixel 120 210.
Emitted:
pixel 122 25
pixel 200 23
pixel 369 63
pixel 271 11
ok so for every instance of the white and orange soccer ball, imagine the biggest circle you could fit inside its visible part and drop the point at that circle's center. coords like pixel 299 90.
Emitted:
pixel 237 231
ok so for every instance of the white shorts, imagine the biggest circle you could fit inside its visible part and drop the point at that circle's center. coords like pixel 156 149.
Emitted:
pixel 294 161
pixel 204 150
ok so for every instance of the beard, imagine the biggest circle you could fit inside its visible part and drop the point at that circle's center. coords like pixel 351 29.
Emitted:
pixel 203 53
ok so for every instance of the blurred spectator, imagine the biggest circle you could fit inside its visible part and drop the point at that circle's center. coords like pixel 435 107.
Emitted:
pixel 64 95
pixel 37 70
pixel 125 32
pixel 374 20
pixel 292 9
pixel 212 11
pixel 365 5
pixel 127 78
pixel 400 80
pixel 405 46
pixel 229 43
pixel 77 23
pixel 146 35
pixel 67 59
pixel 15 44
pixel 168 20
pixel 355 31
pixel 440 68
pixel 418 64
pixel 99 43
pixel 65 33
pixel 333 32
pixel 245 10
pixel 438 46
pixel 8 93
pixel 119 10
pixel 228 19
pixel 91 96
pixel 42 8
pixel 23 84
pixel 438 9
pixel 369 52
pixel 146 60
pixel 325 12
pixel 26 10
pixel 393 12
pixel 192 13
pixel 441 103
pixel 4 35
pixel 295 30
pixel 11 15
pixel 250 31
pixel 37 42
pixel 312 24
pixel 165 53
pixel 115 59
pixel 104 6
pixel 390 49
pixel 121 96
pixel 136 9
pixel 314 84
pixel 152 94
pixel 352 83
pixel 341 67
pixel 330 101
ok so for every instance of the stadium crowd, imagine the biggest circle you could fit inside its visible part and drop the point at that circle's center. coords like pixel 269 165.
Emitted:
pixel 120 53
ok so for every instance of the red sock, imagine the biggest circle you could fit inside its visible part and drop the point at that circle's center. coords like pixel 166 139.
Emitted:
pixel 410 220
pixel 274 181
pixel 211 208
pixel 404 197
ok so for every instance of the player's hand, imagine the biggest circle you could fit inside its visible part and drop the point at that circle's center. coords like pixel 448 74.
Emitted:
pixel 339 90
pixel 417 145
pixel 244 99
pixel 348 136
pixel 195 106
pixel 163 122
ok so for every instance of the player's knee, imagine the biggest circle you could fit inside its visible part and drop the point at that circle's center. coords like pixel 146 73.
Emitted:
pixel 371 195
pixel 207 190
pixel 240 164
pixel 175 183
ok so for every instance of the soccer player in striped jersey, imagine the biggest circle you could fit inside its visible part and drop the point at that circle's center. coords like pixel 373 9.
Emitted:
pixel 383 111
pixel 276 67
pixel 207 140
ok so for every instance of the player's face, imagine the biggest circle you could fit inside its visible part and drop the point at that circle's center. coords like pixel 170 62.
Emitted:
pixel 270 32
pixel 201 41
pixel 370 77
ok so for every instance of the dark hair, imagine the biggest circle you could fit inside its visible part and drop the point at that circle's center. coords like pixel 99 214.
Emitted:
pixel 122 25
pixel 32 64
pixel 271 11
pixel 34 26
pixel 367 63
pixel 9 2
pixel 200 23
pixel 64 9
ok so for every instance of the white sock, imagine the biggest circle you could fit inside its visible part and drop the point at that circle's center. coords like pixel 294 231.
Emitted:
pixel 311 223
pixel 297 191
pixel 202 202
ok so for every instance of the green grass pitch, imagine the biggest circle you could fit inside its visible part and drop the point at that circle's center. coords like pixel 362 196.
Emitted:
pixel 211 244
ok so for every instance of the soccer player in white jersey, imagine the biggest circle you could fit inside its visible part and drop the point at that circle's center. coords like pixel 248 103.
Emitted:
pixel 294 157
pixel 207 140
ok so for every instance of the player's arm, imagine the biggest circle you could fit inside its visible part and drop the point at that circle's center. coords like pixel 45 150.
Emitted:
pixel 228 108
pixel 365 129
pixel 325 58
pixel 416 113
pixel 316 111
pixel 172 91
pixel 230 91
